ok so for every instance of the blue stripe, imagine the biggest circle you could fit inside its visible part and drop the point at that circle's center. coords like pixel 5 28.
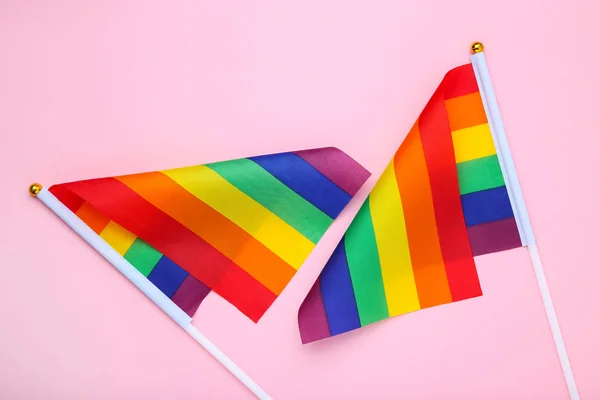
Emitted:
pixel 486 206
pixel 167 276
pixel 305 180
pixel 338 295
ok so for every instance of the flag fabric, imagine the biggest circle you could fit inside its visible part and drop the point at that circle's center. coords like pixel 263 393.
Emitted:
pixel 440 201
pixel 240 228
pixel 243 227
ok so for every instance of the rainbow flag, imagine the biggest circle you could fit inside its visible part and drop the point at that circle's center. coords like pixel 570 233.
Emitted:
pixel 240 228
pixel 440 201
pixel 243 227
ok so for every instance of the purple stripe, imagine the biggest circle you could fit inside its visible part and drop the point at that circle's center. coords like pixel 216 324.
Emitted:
pixel 494 236
pixel 312 320
pixel 339 167
pixel 190 294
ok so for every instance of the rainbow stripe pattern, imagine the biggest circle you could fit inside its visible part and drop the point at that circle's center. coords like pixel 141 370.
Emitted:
pixel 241 228
pixel 440 201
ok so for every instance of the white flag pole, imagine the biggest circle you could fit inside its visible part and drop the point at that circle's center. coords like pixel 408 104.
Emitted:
pixel 518 204
pixel 142 283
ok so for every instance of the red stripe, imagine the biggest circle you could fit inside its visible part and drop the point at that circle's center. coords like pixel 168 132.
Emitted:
pixel 121 204
pixel 244 292
pixel 452 231
pixel 459 81
pixel 70 200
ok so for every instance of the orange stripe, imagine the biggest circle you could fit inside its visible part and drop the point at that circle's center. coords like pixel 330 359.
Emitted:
pixel 92 217
pixel 229 239
pixel 465 111
pixel 417 202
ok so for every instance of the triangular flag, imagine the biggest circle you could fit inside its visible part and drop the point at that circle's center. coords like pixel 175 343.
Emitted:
pixel 241 228
pixel 450 193
pixel 441 200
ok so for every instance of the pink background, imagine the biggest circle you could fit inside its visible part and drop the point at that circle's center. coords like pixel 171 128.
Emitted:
pixel 99 88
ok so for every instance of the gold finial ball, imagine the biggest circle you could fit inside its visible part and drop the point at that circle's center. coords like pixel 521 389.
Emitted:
pixel 476 47
pixel 34 189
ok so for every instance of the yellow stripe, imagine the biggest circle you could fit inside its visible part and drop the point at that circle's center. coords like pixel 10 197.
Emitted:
pixel 472 143
pixel 245 212
pixel 118 237
pixel 392 244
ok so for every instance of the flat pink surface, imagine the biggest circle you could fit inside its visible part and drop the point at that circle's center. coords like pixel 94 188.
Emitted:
pixel 96 88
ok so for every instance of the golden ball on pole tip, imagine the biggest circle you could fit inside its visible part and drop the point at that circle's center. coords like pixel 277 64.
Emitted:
pixel 476 47
pixel 34 189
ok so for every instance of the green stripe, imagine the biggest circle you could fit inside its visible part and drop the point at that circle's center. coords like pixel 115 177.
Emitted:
pixel 480 174
pixel 267 190
pixel 142 256
pixel 365 271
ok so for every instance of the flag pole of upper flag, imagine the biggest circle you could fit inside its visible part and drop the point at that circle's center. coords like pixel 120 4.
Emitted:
pixel 450 193
pixel 240 228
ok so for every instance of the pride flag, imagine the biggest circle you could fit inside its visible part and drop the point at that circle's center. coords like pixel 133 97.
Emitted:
pixel 440 201
pixel 241 228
